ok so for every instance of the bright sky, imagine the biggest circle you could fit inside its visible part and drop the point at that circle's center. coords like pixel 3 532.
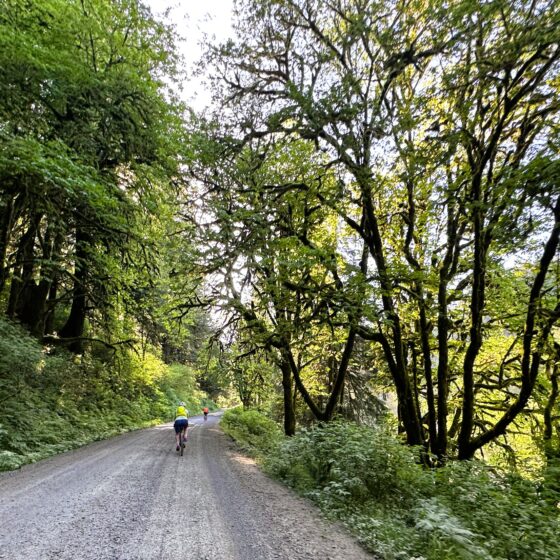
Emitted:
pixel 196 21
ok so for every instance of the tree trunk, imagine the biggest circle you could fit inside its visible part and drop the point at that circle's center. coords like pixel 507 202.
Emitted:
pixel 34 306
pixel 372 236
pixel 340 378
pixel 477 307
pixel 532 353
pixel 289 412
pixel 49 316
pixel 6 222
pixel 440 448
pixel 553 373
pixel 74 326
pixel 23 270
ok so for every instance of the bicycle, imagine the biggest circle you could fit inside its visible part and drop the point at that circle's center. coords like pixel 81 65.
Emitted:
pixel 182 444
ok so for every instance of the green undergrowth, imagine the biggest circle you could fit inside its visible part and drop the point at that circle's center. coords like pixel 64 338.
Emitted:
pixel 254 432
pixel 51 402
pixel 398 509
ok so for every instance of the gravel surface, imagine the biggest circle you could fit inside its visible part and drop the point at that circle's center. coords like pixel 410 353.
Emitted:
pixel 133 497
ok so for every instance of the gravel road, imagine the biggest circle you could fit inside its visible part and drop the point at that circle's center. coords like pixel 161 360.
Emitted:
pixel 132 497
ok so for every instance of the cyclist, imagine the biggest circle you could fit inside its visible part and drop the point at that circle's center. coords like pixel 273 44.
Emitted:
pixel 181 424
pixel 205 410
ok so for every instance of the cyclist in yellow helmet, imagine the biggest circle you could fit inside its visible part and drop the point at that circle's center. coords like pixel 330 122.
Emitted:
pixel 181 424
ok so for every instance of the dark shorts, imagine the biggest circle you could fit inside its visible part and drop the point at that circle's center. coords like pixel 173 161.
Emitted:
pixel 180 425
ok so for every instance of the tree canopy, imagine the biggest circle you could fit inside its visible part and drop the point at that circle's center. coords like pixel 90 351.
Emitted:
pixel 388 173
pixel 372 209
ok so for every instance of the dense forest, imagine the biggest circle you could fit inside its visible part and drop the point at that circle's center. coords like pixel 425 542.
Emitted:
pixel 93 281
pixel 364 226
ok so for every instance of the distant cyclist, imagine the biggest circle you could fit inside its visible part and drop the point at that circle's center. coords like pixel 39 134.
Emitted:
pixel 181 424
pixel 205 410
